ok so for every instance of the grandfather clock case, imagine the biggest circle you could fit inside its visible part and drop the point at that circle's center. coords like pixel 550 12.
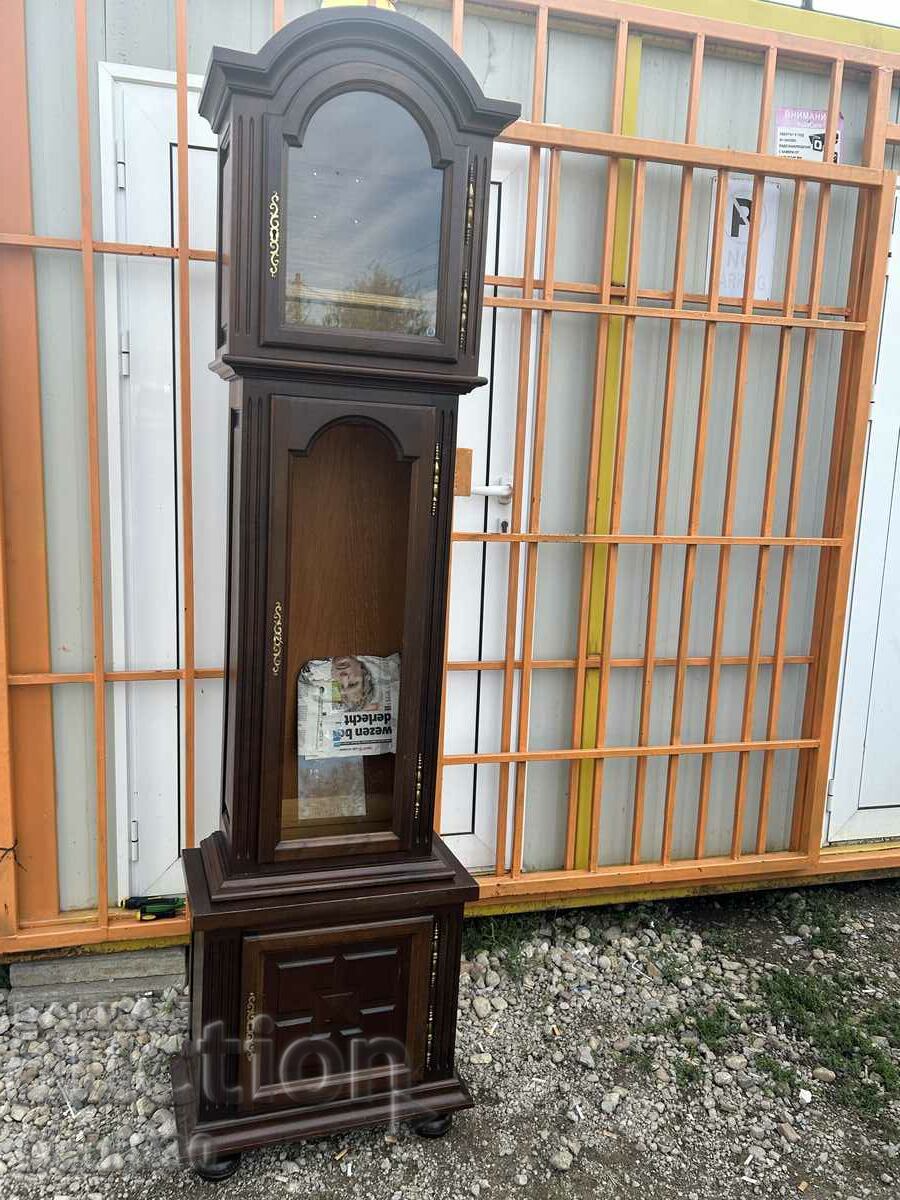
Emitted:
pixel 354 173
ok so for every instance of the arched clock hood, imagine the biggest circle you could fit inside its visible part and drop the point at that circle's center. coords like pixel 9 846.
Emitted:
pixel 307 45
pixel 273 301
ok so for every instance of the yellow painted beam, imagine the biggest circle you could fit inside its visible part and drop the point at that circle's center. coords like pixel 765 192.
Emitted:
pixel 764 14
pixel 357 4
pixel 609 419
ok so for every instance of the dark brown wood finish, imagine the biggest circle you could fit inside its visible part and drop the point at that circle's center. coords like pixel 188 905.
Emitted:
pixel 319 991
pixel 339 934
pixel 273 421
pixel 268 99
pixel 233 940
pixel 352 514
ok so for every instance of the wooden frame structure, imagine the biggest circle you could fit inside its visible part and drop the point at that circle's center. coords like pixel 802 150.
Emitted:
pixel 30 917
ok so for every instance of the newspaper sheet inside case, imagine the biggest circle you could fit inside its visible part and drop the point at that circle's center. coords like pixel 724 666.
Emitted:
pixel 346 712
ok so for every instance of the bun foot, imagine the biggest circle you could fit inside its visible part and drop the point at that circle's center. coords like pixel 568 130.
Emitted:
pixel 217 1169
pixel 434 1127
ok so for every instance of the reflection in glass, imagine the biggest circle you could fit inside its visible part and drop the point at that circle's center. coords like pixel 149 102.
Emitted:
pixel 363 220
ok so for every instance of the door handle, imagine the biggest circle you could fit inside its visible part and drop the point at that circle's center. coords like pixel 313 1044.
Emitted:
pixel 502 490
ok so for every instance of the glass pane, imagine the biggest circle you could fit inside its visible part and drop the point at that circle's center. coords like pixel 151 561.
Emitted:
pixel 343 628
pixel 75 777
pixel 363 220
pixel 62 428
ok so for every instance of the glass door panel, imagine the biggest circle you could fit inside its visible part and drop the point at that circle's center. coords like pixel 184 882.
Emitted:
pixel 347 531
pixel 363 222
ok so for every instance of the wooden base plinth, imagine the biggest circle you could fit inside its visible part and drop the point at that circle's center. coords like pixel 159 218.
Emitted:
pixel 318 1011
pixel 429 1105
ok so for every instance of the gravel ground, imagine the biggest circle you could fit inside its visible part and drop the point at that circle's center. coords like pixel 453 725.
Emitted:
pixel 700 1050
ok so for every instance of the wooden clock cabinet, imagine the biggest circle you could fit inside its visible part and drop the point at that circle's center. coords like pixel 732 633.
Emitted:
pixel 354 170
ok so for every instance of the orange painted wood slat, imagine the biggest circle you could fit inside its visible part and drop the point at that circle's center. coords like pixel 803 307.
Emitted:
pixel 131 249
pixel 881 83
pixel 561 883
pixel 697 473
pixel 166 674
pixel 765 99
pixel 649 312
pixel 577 287
pixel 522 389
pixel 456 25
pixel 534 509
pixel 848 380
pixel 728 505
pixel 766 520
pixel 39 678
pixel 725 32
pixel 66 934
pixel 188 691
pixel 847 483
pixel 599 753
pixel 563 287
pixel 82 88
pixel 586 141
pixel 784 592
pixel 594 660
pixel 646 539
pixel 538 103
pixel 662 472
pixel 27 783
pixel 615 507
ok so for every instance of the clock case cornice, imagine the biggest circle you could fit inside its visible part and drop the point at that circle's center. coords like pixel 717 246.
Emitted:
pixel 345 31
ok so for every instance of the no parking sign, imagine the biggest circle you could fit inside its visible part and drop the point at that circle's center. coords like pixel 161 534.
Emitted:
pixel 736 236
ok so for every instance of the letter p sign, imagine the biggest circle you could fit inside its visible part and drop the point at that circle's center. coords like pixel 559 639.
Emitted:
pixel 741 207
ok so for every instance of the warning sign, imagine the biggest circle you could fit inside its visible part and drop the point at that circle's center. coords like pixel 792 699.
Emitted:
pixel 800 133
pixel 739 217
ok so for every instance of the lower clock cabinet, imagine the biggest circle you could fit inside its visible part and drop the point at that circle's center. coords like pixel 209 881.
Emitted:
pixel 303 1031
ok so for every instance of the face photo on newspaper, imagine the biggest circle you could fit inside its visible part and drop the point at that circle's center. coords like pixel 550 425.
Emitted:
pixel 347 706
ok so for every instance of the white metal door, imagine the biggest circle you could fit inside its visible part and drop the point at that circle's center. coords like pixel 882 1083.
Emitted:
pixel 864 800
pixel 479 576
pixel 139 196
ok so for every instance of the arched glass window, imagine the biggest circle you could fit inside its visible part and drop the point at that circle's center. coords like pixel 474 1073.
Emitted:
pixel 363 220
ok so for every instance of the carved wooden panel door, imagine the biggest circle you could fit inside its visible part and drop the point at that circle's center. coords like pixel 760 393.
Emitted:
pixel 334 1012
